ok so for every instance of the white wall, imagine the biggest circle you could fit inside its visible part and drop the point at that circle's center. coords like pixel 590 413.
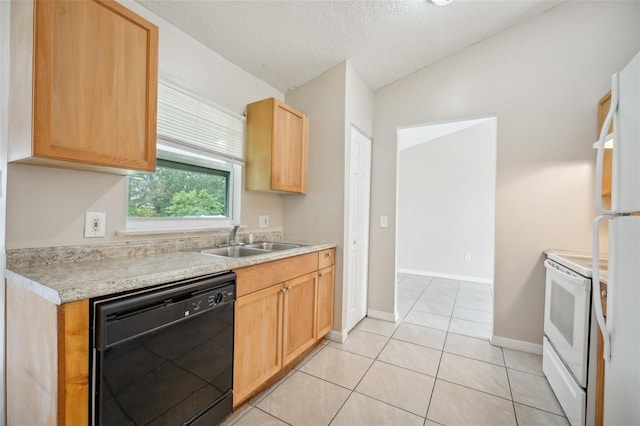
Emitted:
pixel 543 79
pixel 332 102
pixel 446 205
pixel 64 195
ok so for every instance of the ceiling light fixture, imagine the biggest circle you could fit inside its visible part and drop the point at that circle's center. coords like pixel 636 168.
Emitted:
pixel 441 2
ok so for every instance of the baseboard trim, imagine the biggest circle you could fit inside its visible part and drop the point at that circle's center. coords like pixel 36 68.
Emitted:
pixel 337 336
pixel 384 316
pixel 448 276
pixel 519 345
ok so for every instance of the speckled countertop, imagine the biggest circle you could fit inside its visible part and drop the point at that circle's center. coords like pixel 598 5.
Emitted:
pixel 67 282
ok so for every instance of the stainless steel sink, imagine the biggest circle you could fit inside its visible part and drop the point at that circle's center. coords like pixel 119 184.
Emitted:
pixel 234 251
pixel 266 245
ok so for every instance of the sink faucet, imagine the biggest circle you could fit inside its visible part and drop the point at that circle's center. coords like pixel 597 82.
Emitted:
pixel 232 235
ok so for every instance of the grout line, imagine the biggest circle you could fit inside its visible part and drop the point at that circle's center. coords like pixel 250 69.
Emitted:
pixel 269 414
pixel 390 404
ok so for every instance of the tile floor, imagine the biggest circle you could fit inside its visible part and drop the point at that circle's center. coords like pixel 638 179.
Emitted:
pixel 435 366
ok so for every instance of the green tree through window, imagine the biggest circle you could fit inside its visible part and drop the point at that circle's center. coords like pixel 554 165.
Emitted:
pixel 179 190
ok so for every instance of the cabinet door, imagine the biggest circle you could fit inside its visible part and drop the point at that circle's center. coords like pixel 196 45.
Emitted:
pixel 325 301
pixel 95 84
pixel 299 316
pixel 258 340
pixel 603 110
pixel 289 150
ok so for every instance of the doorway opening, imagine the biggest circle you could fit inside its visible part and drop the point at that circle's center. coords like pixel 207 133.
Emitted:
pixel 445 240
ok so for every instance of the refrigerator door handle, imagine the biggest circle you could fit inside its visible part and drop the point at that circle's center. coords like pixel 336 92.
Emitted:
pixel 603 135
pixel 595 287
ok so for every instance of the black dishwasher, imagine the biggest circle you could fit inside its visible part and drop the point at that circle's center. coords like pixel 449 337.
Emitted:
pixel 165 356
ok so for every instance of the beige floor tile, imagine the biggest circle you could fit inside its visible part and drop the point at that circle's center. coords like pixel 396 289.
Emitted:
pixel 472 315
pixel 362 343
pixel 257 417
pixel 409 293
pixel 420 335
pixel 362 410
pixel 418 279
pixel 310 355
pixel 472 304
pixel 474 374
pixel 262 395
pixel 452 404
pixel 475 348
pixel 426 319
pixel 338 366
pixel 470 328
pixel 444 291
pixel 397 386
pixel 437 298
pixel 445 282
pixel 414 357
pixel 241 411
pixel 475 287
pixel 523 361
pixel 474 295
pixel 529 416
pixel 431 423
pixel 433 308
pixel 305 400
pixel 385 328
pixel 533 391
pixel 413 285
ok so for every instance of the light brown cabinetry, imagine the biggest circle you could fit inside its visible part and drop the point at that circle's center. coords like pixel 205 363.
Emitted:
pixel 276 157
pixel 603 110
pixel 326 279
pixel 299 323
pixel 47 360
pixel 283 308
pixel 88 97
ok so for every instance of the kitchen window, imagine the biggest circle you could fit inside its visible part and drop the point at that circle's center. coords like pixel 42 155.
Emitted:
pixel 196 185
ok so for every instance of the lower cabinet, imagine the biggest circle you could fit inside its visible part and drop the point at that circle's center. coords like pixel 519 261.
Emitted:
pixel 283 308
pixel 325 301
pixel 299 323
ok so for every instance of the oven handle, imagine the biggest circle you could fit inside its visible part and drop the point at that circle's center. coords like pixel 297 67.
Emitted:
pixel 579 281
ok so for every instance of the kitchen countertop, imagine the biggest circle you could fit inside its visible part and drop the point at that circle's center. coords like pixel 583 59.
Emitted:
pixel 71 281
pixel 578 261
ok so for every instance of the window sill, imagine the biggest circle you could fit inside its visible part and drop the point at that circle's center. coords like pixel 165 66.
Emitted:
pixel 160 231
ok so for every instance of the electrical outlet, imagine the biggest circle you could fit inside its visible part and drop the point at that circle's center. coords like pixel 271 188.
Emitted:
pixel 95 224
pixel 263 220
pixel 384 221
pixel 467 257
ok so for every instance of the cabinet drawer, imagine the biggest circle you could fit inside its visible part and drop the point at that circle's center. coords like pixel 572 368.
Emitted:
pixel 326 258
pixel 257 277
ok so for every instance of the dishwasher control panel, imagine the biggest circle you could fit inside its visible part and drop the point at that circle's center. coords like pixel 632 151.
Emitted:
pixel 210 299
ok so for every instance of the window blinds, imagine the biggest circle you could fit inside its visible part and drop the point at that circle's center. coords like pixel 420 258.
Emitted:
pixel 190 122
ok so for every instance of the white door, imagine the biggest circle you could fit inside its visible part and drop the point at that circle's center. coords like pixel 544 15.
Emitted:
pixel 357 243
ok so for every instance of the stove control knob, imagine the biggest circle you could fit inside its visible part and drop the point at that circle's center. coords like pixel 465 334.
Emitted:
pixel 217 298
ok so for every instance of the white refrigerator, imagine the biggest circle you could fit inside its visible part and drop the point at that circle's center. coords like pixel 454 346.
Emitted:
pixel 621 332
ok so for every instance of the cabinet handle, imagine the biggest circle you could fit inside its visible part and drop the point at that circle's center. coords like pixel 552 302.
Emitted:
pixel 327 254
pixel 604 293
pixel 287 288
pixel 283 289
pixel 321 274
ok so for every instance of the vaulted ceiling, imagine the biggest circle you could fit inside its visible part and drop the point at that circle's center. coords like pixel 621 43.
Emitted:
pixel 287 43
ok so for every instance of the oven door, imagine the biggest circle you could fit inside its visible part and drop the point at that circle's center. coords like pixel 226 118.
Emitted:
pixel 566 317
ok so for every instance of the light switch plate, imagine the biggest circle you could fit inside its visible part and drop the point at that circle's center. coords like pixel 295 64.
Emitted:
pixel 263 220
pixel 95 224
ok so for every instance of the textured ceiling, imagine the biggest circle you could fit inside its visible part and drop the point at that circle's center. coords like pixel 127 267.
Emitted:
pixel 287 43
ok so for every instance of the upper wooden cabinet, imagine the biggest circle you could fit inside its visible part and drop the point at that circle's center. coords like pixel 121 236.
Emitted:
pixel 87 89
pixel 603 110
pixel 276 158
